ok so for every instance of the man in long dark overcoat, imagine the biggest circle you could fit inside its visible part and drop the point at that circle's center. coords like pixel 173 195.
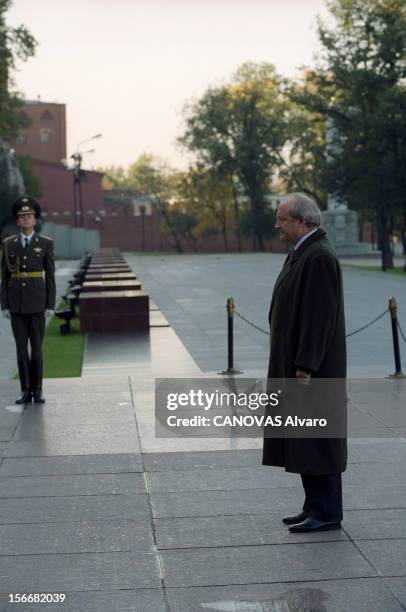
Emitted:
pixel 307 329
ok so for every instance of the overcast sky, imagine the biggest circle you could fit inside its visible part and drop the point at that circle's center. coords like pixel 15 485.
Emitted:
pixel 125 68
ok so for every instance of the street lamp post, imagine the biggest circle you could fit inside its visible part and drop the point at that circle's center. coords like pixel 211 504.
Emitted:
pixel 77 184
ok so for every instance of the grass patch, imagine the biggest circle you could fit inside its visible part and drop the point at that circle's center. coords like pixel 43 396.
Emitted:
pixel 63 355
pixel 395 271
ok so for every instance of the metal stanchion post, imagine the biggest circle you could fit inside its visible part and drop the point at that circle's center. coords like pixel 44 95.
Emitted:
pixel 230 322
pixel 393 309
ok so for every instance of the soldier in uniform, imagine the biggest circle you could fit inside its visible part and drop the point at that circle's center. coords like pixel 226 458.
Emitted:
pixel 28 293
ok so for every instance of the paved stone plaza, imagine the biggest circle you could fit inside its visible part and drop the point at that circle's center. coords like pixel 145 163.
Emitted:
pixel 191 291
pixel 94 506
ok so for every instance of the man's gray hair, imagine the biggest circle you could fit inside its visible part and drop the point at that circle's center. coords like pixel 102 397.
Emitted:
pixel 303 207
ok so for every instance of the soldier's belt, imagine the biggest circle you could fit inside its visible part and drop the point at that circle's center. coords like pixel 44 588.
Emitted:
pixel 26 275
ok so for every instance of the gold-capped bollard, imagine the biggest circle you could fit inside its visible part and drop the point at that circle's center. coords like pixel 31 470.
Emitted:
pixel 230 323
pixel 393 309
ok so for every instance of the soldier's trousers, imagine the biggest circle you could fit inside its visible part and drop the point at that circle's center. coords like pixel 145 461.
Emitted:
pixel 28 327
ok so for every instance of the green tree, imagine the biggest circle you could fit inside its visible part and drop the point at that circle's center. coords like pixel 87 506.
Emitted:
pixel 114 177
pixel 148 171
pixel 211 200
pixel 364 68
pixel 150 175
pixel 31 182
pixel 303 161
pixel 15 43
pixel 238 130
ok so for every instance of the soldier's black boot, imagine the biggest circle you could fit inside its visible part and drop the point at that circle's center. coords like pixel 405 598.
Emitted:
pixel 24 372
pixel 36 381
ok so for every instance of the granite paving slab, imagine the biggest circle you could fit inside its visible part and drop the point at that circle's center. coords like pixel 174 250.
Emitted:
pixel 76 537
pixel 202 459
pixel 221 479
pixel 376 524
pixel 150 443
pixel 70 485
pixel 381 496
pixel 363 450
pixel 62 416
pixel 129 600
pixel 6 433
pixel 44 430
pixel 81 396
pixel 90 442
pixel 10 414
pixel 213 503
pixel 77 508
pixel 71 464
pixel 160 352
pixel 398 588
pixel 388 557
pixel 261 501
pixel 80 386
pixel 368 451
pixel 242 530
pixel 268 563
pixel 342 595
pixel 64 408
pixel 88 571
pixel 385 472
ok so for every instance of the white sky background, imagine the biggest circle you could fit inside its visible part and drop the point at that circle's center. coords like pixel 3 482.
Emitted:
pixel 126 68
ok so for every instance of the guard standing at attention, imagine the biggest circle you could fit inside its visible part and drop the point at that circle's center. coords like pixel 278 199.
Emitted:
pixel 28 293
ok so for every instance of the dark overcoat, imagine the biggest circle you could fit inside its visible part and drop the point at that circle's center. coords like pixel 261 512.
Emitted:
pixel 27 295
pixel 307 328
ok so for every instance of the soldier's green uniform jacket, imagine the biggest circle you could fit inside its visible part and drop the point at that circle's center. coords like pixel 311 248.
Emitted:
pixel 28 275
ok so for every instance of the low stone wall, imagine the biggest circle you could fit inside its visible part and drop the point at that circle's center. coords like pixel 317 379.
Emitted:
pixel 71 242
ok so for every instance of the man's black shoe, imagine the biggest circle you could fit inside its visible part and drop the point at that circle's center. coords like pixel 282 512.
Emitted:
pixel 312 524
pixel 38 397
pixel 296 518
pixel 24 398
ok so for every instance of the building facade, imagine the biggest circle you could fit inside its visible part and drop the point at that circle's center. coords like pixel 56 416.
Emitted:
pixel 45 137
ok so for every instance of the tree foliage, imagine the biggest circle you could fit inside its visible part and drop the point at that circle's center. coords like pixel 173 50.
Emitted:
pixel 114 177
pixel 363 67
pixel 15 44
pixel 303 161
pixel 239 129
pixel 31 182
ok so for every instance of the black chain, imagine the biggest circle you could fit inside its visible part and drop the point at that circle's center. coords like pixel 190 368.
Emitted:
pixel 356 331
pixel 368 324
pixel 252 324
pixel 401 332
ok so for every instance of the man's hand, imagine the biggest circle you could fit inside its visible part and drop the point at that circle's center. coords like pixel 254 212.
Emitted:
pixel 6 314
pixel 302 377
pixel 49 313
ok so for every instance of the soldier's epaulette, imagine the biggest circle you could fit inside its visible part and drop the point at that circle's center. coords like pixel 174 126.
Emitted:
pixel 46 237
pixel 9 237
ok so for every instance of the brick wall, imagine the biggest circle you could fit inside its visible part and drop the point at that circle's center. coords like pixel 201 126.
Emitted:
pixel 117 226
pixel 45 138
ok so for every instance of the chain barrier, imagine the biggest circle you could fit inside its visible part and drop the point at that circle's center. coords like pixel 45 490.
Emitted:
pixel 356 331
pixel 252 324
pixel 402 333
pixel 368 324
pixel 395 326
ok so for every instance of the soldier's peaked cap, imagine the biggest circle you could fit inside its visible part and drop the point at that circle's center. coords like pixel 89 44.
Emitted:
pixel 25 205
